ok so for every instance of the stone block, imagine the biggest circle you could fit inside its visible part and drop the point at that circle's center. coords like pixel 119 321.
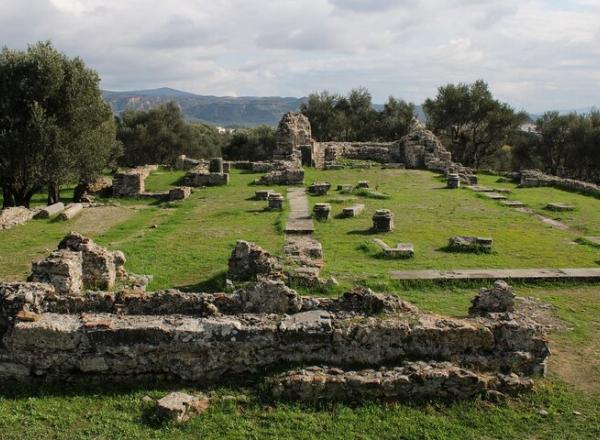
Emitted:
pixel 560 207
pixel 383 220
pixel 498 299
pixel 180 193
pixel 216 165
pixel 353 211
pixel 319 188
pixel 321 211
pixel 362 184
pixel 453 181
pixel 179 407
pixel 62 269
pixel 275 201
pixel 10 217
pixel 262 194
pixel 470 244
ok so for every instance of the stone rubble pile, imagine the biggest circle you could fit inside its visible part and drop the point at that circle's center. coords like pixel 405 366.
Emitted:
pixel 11 217
pixel 250 262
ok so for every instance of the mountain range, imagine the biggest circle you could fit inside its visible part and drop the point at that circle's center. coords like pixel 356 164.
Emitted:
pixel 226 111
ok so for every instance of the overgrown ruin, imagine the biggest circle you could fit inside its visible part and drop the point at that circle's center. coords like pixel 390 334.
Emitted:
pixel 361 345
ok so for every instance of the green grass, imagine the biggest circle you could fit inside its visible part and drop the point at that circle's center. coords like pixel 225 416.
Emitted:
pixel 186 245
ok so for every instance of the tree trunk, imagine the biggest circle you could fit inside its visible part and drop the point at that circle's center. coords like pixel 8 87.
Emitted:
pixel 8 199
pixel 53 193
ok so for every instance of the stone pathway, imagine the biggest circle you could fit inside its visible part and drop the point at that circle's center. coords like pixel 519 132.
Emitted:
pixel 304 253
pixel 546 220
pixel 299 220
pixel 494 274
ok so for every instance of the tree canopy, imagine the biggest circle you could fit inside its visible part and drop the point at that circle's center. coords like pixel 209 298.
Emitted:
pixel 161 134
pixel 54 126
pixel 470 122
pixel 353 117
pixel 251 144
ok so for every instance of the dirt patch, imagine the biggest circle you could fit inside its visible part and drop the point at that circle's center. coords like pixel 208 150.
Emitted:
pixel 99 219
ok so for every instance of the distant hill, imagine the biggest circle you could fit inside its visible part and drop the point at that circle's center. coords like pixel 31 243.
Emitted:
pixel 246 111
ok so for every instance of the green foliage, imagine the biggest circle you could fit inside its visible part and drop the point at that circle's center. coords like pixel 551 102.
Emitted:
pixel 54 126
pixel 352 118
pixel 566 145
pixel 161 134
pixel 253 144
pixel 471 123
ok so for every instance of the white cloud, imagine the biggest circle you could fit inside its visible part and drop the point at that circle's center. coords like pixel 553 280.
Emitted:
pixel 535 54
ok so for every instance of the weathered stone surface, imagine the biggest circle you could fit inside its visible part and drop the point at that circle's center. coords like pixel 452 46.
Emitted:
pixel 71 211
pixel 249 262
pixel 513 203
pixel 453 181
pixel 284 173
pixel 353 211
pixel 86 192
pixel 180 193
pixel 130 183
pixel 400 251
pixel 180 406
pixel 200 176
pixel 269 297
pixel 461 243
pixel 498 299
pixel 262 194
pixel 50 210
pixel 383 220
pixel 10 217
pixel 99 265
pixel 362 184
pixel 412 381
pixel 61 269
pixel 293 132
pixel 321 211
pixel 275 201
pixel 319 188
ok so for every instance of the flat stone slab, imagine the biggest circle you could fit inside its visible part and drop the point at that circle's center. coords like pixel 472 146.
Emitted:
pixel 512 203
pixel 494 196
pixel 299 219
pixel 546 220
pixel 494 274
pixel 401 251
pixel 559 207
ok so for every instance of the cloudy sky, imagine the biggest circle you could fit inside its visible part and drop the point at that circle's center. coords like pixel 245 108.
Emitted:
pixel 535 54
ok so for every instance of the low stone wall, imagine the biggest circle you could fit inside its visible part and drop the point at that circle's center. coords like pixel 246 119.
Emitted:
pixel 535 178
pixel 206 337
pixel 284 173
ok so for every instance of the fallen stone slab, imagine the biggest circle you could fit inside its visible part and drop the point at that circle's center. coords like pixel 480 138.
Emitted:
pixel 50 210
pixel 559 207
pixel 594 241
pixel 353 211
pixel 512 203
pixel 180 193
pixel 262 194
pixel 71 211
pixel 546 220
pixel 494 196
pixel 400 251
pixel 180 406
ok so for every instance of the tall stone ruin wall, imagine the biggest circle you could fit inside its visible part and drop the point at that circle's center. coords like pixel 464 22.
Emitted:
pixel 293 133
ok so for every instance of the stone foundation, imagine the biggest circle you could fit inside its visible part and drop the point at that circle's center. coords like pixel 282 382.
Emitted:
pixel 206 337
pixel 535 178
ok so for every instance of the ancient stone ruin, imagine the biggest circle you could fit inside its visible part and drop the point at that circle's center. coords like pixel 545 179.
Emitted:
pixel 359 346
pixel 130 183
pixel 207 174
pixel 461 243
pixel 11 217
pixel 383 220
pixel 250 262
pixel 535 178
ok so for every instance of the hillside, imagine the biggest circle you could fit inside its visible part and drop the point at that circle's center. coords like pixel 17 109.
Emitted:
pixel 226 111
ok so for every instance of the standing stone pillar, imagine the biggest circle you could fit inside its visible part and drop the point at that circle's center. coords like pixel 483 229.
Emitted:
pixel 453 181
pixel 321 211
pixel 383 220
pixel 216 165
pixel 275 202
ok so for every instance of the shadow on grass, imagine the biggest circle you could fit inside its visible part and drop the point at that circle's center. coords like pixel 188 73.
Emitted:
pixel 211 285
pixel 451 250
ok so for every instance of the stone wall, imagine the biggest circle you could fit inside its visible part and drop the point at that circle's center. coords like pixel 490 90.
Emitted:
pixel 207 337
pixel 535 178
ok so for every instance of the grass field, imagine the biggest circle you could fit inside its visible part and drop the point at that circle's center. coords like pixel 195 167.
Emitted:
pixel 187 244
